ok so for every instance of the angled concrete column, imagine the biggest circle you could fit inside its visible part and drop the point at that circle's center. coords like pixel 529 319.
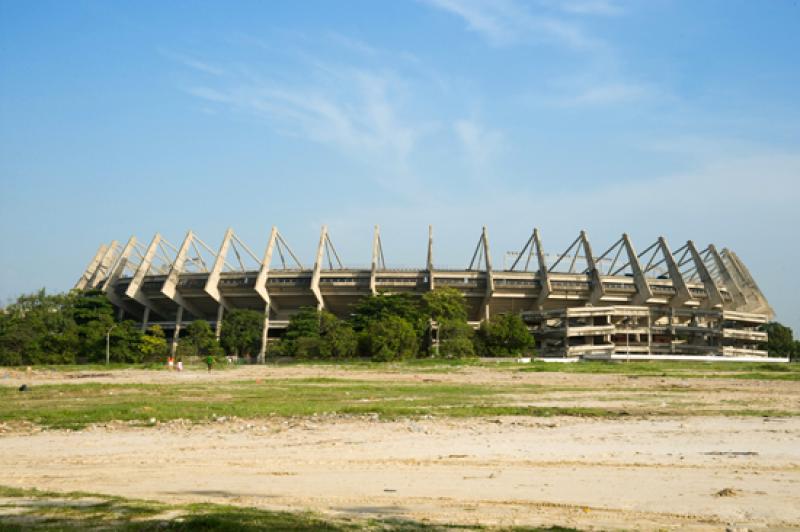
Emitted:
pixel 682 293
pixel 489 274
pixel 643 292
pixel 544 275
pixel 315 276
pixel 212 284
pixel 261 287
pixel 103 268
pixel 596 282
pixel 373 285
pixel 730 283
pixel 83 282
pixel 170 286
pixel 114 275
pixel 713 297
pixel 134 290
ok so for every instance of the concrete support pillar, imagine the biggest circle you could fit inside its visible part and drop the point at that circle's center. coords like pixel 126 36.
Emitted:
pixel 145 318
pixel 176 334
pixel 218 326
pixel 262 353
pixel 429 262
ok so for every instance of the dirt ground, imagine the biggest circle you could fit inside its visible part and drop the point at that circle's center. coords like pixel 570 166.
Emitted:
pixel 689 472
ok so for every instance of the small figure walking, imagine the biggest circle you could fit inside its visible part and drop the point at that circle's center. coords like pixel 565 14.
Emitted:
pixel 209 362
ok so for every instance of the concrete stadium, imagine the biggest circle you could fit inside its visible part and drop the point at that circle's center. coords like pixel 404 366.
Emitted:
pixel 653 304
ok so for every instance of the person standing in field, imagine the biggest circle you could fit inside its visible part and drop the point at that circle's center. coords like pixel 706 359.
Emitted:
pixel 209 362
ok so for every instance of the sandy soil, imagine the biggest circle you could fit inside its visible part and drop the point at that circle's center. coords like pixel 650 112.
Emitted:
pixel 694 472
pixel 703 473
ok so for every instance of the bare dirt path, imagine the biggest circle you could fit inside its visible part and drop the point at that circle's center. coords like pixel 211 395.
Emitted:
pixel 703 473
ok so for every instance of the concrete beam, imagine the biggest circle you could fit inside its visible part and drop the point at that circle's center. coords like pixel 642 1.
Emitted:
pixel 212 284
pixel 134 290
pixel 373 286
pixel 739 300
pixel 682 293
pixel 88 273
pixel 643 291
pixel 104 267
pixel 544 275
pixel 315 276
pixel 170 286
pixel 713 297
pixel 489 274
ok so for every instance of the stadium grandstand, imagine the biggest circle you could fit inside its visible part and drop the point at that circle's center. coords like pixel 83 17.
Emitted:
pixel 657 303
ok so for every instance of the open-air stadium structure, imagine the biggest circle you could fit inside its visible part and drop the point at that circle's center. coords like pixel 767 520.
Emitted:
pixel 656 303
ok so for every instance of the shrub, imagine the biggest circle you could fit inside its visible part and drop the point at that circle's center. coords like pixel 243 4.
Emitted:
pixel 389 338
pixel 455 339
pixel 503 335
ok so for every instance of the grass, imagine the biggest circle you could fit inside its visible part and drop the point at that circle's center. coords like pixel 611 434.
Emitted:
pixel 39 510
pixel 74 406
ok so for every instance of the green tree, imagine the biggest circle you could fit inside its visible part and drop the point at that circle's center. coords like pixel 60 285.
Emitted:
pixel 318 334
pixel 241 332
pixel 780 341
pixel 199 341
pixel 337 338
pixel 154 344
pixel 503 335
pixel 409 307
pixel 39 329
pixel 389 338
pixel 445 304
pixel 456 339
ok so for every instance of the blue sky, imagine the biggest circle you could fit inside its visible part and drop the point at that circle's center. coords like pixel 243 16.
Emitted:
pixel 654 118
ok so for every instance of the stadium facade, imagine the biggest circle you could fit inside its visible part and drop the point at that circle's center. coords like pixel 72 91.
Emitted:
pixel 656 303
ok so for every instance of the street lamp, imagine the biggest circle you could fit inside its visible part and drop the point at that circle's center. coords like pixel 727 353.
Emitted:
pixel 108 343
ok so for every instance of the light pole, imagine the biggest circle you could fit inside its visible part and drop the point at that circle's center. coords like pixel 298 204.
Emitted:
pixel 108 343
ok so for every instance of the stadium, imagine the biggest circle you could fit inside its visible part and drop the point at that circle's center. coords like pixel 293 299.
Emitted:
pixel 658 303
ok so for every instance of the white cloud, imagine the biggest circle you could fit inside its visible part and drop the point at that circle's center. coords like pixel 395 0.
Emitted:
pixel 355 110
pixel 479 144
pixel 607 94
pixel 590 7
pixel 505 22
pixel 193 63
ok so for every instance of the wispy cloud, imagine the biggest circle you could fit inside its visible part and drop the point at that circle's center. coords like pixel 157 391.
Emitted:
pixel 613 93
pixel 505 22
pixel 193 63
pixel 588 7
pixel 356 111
pixel 479 143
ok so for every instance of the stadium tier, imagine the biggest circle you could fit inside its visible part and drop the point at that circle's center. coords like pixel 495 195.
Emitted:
pixel 656 303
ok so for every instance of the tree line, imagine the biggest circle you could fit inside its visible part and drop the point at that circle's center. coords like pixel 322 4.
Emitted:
pixel 72 328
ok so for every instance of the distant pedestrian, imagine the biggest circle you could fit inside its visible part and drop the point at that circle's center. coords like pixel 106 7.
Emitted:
pixel 170 362
pixel 180 365
pixel 209 362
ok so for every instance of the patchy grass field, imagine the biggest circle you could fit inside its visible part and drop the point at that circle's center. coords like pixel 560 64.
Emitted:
pixel 424 388
pixel 411 446
pixel 30 509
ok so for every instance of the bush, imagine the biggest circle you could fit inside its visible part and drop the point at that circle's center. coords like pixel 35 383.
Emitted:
pixel 390 338
pixel 503 335
pixel 241 331
pixel 314 334
pixel 455 339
